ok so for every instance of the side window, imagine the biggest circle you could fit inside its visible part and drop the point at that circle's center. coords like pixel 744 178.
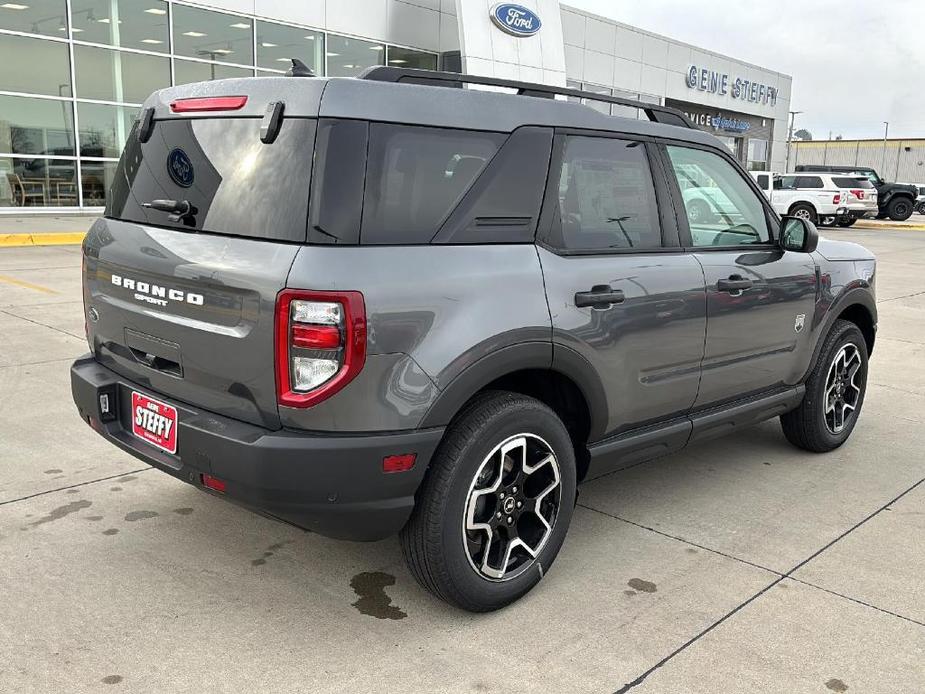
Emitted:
pixel 606 197
pixel 763 181
pixel 415 176
pixel 809 182
pixel 722 209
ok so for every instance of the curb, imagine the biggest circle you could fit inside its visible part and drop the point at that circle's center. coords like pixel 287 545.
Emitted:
pixel 892 226
pixel 68 238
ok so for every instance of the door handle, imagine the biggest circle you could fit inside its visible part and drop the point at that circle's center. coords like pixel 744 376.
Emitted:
pixel 601 296
pixel 735 283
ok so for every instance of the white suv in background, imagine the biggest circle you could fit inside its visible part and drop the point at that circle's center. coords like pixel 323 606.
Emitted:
pixel 823 198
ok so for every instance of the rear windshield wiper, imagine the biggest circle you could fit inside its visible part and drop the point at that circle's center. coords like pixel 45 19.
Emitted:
pixel 179 210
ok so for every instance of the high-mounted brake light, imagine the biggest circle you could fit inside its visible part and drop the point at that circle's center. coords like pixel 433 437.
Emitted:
pixel 210 103
pixel 320 344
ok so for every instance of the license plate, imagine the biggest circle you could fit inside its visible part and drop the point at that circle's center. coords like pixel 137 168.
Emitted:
pixel 155 422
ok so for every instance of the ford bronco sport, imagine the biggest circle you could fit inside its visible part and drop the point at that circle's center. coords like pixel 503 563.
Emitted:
pixel 393 305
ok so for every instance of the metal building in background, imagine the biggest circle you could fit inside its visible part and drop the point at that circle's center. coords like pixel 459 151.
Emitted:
pixel 897 160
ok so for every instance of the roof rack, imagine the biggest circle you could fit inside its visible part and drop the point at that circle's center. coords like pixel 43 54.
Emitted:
pixel 655 112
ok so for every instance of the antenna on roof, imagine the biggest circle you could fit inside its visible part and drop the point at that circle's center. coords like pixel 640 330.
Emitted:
pixel 299 69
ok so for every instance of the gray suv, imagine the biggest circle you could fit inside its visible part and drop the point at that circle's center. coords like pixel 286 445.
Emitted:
pixel 395 305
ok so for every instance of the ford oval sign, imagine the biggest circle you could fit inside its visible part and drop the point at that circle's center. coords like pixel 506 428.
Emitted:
pixel 180 168
pixel 516 20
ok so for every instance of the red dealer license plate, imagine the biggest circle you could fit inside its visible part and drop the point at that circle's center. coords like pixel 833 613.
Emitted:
pixel 155 422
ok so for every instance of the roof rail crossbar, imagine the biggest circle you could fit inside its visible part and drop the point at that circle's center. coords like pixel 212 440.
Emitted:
pixel 654 112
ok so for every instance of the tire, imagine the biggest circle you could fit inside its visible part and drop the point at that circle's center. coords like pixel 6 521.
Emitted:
pixel 811 426
pixel 847 222
pixel 459 490
pixel 699 212
pixel 805 211
pixel 899 209
pixel 920 208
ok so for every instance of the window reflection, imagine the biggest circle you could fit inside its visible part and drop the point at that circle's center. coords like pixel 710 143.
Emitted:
pixel 407 57
pixel 349 57
pixel 140 24
pixel 36 126
pixel 277 43
pixel 34 16
pixel 36 66
pixel 212 35
pixel 186 71
pixel 111 75
pixel 38 182
pixel 96 180
pixel 103 128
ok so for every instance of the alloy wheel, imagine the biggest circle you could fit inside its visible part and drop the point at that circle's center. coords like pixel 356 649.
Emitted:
pixel 511 507
pixel 842 392
pixel 803 213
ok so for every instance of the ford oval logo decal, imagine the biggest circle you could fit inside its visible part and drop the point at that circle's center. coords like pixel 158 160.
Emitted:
pixel 180 168
pixel 516 20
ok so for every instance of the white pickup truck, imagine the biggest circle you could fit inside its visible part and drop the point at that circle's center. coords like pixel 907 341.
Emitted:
pixel 804 196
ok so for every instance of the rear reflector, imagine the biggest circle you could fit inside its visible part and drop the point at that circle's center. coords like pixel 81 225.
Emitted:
pixel 212 103
pixel 213 483
pixel 315 336
pixel 398 463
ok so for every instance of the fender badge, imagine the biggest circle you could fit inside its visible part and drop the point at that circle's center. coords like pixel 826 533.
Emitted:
pixel 799 323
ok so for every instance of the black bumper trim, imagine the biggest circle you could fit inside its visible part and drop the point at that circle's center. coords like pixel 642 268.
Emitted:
pixel 327 483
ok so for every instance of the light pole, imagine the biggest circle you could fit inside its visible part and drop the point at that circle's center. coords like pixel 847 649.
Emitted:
pixel 793 116
pixel 886 131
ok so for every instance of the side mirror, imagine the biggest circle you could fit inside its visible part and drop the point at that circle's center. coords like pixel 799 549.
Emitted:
pixel 798 235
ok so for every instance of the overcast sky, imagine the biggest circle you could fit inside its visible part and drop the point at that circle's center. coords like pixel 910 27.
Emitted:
pixel 855 63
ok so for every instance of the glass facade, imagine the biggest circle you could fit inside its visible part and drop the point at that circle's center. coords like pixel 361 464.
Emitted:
pixel 608 108
pixel 74 75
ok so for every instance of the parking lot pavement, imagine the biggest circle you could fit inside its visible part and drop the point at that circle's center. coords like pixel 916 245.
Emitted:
pixel 739 565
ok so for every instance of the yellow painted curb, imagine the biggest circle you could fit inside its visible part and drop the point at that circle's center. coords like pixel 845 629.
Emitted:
pixel 895 226
pixel 67 238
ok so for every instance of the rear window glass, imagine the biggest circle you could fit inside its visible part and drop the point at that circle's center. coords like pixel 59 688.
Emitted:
pixel 847 182
pixel 237 184
pixel 416 176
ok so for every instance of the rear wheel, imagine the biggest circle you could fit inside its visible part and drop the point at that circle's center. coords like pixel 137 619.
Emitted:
pixel 495 506
pixel 834 392
pixel 899 209
pixel 805 211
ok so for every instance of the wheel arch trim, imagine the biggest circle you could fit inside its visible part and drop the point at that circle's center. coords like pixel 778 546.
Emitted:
pixel 857 296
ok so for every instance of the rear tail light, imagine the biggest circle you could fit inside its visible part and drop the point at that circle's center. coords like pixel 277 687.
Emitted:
pixel 836 198
pixel 398 463
pixel 320 344
pixel 858 193
pixel 212 103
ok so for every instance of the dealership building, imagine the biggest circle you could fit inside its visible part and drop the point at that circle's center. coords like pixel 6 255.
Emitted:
pixel 73 73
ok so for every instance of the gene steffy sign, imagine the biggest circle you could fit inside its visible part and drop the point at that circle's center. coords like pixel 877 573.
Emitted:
pixel 706 80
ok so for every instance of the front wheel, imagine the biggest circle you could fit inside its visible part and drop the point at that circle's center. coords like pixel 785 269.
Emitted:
pixel 495 505
pixel 834 392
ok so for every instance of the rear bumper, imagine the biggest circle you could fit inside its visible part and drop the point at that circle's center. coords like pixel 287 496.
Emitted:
pixel 329 484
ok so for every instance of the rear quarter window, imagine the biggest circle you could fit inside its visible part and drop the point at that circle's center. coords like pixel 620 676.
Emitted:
pixel 237 184
pixel 415 177
pixel 847 182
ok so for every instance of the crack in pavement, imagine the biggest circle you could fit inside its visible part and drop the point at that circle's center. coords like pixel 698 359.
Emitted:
pixel 73 486
pixel 639 680
pixel 51 327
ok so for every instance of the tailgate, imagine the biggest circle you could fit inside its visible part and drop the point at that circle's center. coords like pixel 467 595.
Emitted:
pixel 189 316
